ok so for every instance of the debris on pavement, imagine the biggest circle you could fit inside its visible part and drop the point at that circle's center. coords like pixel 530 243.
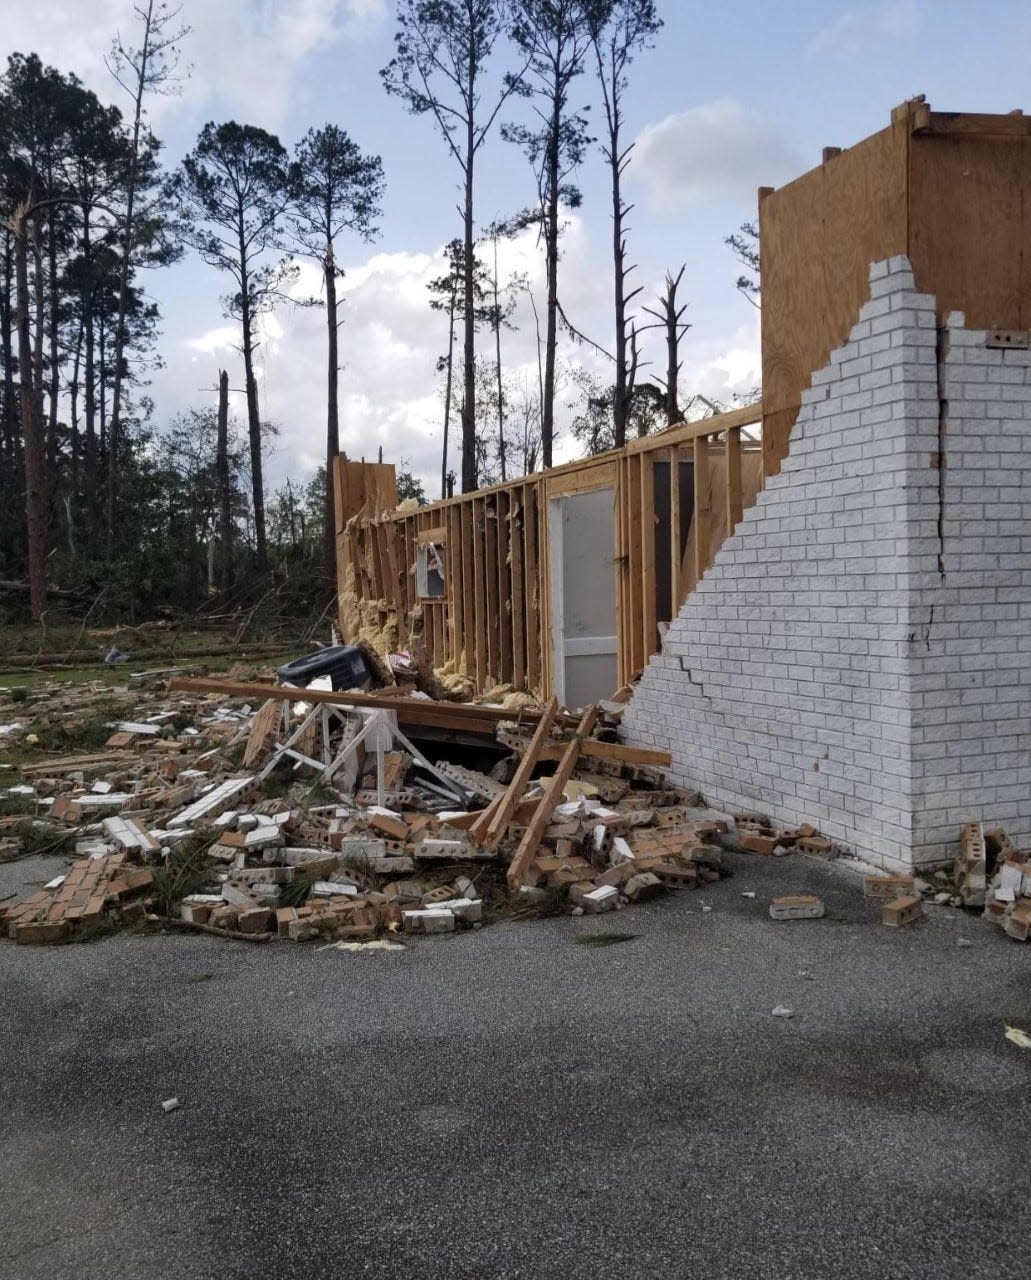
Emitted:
pixel 801 906
pixel 312 813
pixel 1018 1037
pixel 902 910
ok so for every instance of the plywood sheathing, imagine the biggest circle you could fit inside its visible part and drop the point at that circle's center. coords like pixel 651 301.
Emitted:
pixel 950 191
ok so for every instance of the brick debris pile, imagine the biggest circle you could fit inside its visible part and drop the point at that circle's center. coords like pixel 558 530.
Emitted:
pixel 206 814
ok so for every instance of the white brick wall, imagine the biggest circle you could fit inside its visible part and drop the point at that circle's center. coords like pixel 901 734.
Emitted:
pixel 824 669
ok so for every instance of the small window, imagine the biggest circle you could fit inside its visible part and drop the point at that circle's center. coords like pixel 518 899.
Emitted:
pixel 429 570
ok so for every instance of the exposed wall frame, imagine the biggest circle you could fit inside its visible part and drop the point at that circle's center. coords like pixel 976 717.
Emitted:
pixel 493 624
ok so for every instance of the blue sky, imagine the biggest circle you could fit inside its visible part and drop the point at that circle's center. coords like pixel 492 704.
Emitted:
pixel 731 97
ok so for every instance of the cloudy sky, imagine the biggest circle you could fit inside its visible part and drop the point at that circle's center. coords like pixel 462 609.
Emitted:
pixel 732 97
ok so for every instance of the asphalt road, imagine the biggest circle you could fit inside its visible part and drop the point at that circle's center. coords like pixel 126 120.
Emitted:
pixel 506 1103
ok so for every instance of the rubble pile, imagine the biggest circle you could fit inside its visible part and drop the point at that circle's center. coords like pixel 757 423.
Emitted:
pixel 1007 895
pixel 263 822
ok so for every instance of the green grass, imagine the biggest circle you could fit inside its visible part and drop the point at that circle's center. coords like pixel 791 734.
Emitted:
pixel 187 870
pixel 38 838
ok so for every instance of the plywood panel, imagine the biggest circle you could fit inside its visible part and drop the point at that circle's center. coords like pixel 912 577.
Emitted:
pixel 970 227
pixel 819 235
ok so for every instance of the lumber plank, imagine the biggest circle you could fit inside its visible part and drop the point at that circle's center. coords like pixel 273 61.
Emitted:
pixel 517 515
pixel 532 593
pixel 674 532
pixel 701 506
pixel 500 819
pixel 410 710
pixel 479 591
pixel 616 751
pixel 531 840
pixel 734 497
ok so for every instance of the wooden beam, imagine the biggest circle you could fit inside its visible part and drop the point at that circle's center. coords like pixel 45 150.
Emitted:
pixel 479 592
pixel 674 531
pixel 531 840
pixel 502 816
pixel 702 508
pixel 734 501
pixel 613 751
pixel 517 515
pixel 536 626
pixel 468 601
pixel 409 710
pixel 649 633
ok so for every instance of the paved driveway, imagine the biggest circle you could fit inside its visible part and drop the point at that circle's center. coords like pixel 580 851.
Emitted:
pixel 507 1103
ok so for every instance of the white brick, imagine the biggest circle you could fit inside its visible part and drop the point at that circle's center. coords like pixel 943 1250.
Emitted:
pixel 825 689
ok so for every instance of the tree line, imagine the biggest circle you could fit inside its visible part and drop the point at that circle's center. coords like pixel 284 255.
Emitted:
pixel 90 491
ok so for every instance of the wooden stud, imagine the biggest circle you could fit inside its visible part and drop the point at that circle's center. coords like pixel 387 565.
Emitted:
pixel 517 516
pixel 490 573
pixel 649 634
pixel 535 625
pixel 675 545
pixel 498 823
pixel 531 840
pixel 734 502
pixel 505 587
pixel 702 509
pixel 479 594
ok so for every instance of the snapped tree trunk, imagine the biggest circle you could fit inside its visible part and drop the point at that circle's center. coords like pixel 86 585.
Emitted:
pixel 469 477
pixel 551 321
pixel 32 429
pixel 55 366
pixel 225 514
pixel 621 396
pixel 332 412
pixel 497 353
pixel 448 384
pixel 253 430
pixel 123 281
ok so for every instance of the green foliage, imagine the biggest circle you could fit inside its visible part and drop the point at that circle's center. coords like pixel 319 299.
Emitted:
pixel 187 869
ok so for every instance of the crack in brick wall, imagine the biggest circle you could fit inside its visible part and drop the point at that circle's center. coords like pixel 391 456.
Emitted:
pixel 827 668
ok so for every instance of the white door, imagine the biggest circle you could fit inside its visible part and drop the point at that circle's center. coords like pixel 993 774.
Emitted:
pixel 583 596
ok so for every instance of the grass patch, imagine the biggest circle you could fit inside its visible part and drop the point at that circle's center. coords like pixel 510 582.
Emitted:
pixel 187 870
pixel 39 838
pixel 71 735
pixel 298 890
pixel 12 806
pixel 603 939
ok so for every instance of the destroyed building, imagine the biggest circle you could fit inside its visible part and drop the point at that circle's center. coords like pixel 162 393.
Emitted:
pixel 827 596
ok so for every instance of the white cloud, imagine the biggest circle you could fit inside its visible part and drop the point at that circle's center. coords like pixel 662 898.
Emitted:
pixel 716 150
pixel 246 55
pixel 390 394
pixel 852 28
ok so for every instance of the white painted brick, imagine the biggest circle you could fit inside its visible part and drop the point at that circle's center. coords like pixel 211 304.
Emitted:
pixel 825 688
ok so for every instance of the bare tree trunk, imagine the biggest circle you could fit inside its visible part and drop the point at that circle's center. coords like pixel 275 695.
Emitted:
pixel 497 352
pixel 32 429
pixel 469 478
pixel 55 363
pixel 332 412
pixel 10 433
pixel 225 515
pixel 74 411
pixel 673 331
pixel 253 418
pixel 449 382
pixel 123 280
pixel 90 411
pixel 621 396
pixel 551 321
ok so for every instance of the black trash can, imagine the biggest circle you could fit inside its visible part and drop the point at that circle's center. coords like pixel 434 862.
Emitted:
pixel 343 663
